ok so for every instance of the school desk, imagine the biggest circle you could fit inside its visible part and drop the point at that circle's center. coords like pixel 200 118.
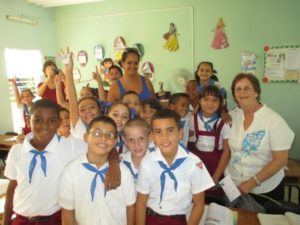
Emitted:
pixel 292 178
pixel 4 144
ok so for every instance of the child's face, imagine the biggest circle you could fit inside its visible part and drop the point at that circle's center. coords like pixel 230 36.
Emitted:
pixel 181 107
pixel 131 64
pixel 101 139
pixel 107 64
pixel 120 115
pixel 44 124
pixel 114 74
pixel 147 112
pixel 86 92
pixel 133 102
pixel 136 140
pixel 209 105
pixel 192 91
pixel 26 97
pixel 88 110
pixel 64 127
pixel 166 135
pixel 204 72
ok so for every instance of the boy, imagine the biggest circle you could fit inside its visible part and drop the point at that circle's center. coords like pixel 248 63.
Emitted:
pixel 82 194
pixel 34 168
pixel 170 178
pixel 136 134
pixel 179 103
pixel 149 107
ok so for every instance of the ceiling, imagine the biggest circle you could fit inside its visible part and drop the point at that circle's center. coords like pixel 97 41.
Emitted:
pixel 56 3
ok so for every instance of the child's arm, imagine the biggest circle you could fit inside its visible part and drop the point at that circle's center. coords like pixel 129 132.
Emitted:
pixel 223 162
pixel 113 176
pixel 59 92
pixel 97 77
pixel 140 209
pixel 68 217
pixel 8 207
pixel 112 95
pixel 16 91
pixel 197 210
pixel 130 214
pixel 71 90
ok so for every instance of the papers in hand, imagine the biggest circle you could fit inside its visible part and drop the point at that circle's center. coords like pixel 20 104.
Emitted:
pixel 231 191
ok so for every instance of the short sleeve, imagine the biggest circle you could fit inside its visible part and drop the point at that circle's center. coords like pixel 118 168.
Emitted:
pixel 10 170
pixel 66 189
pixel 200 178
pixel 79 129
pixel 225 131
pixel 129 186
pixel 143 184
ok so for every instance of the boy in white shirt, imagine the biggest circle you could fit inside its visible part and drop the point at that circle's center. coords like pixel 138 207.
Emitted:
pixel 82 194
pixel 170 178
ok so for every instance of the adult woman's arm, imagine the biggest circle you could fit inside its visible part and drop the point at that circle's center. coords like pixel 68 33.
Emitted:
pixel 279 160
pixel 42 87
pixel 150 87
pixel 113 93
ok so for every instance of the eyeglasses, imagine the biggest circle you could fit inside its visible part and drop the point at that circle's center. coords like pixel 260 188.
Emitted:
pixel 244 89
pixel 100 133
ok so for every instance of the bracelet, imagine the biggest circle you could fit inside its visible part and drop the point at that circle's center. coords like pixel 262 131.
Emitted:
pixel 258 183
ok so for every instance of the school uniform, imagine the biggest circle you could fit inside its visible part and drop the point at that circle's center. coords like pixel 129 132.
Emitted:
pixel 209 139
pixel 120 146
pixel 171 199
pixel 38 176
pixel 26 118
pixel 95 206
pixel 185 126
pixel 79 129
pixel 252 149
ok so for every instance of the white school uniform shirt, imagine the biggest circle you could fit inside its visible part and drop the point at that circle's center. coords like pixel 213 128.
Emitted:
pixel 252 149
pixel 40 197
pixel 79 129
pixel 191 175
pixel 207 143
pixel 185 129
pixel 109 209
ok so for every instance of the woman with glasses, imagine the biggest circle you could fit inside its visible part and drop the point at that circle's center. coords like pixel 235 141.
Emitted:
pixel 259 140
pixel 131 80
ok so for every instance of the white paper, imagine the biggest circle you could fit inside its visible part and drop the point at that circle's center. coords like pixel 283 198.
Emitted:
pixel 292 59
pixel 82 59
pixel 231 191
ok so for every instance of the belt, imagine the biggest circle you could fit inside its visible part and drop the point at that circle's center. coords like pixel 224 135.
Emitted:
pixel 35 219
pixel 151 212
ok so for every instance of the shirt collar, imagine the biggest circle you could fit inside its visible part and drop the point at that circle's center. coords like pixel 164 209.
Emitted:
pixel 181 153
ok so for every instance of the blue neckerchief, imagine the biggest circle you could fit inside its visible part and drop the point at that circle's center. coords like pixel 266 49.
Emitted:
pixel 100 173
pixel 58 137
pixel 133 114
pixel 33 162
pixel 120 142
pixel 214 118
pixel 182 123
pixel 26 110
pixel 184 148
pixel 168 170
pixel 201 87
pixel 151 149
pixel 128 164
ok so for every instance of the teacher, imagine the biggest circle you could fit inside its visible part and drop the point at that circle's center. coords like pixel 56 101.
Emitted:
pixel 131 80
pixel 259 140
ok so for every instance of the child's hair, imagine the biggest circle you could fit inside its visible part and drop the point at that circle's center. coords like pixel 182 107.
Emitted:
pixel 103 119
pixel 131 93
pixel 174 98
pixel 115 67
pixel 214 72
pixel 27 90
pixel 116 103
pixel 166 114
pixel 49 63
pixel 107 60
pixel 44 103
pixel 137 123
pixel 130 51
pixel 94 91
pixel 62 109
pixel 91 98
pixel 153 103
pixel 212 90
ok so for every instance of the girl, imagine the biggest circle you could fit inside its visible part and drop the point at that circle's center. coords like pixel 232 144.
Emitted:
pixel 64 128
pixel 114 73
pixel 132 99
pixel 193 93
pixel 120 113
pixel 211 134
pixel 24 101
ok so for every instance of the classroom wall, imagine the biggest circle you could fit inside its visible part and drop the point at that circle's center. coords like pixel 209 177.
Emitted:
pixel 21 36
pixel 250 25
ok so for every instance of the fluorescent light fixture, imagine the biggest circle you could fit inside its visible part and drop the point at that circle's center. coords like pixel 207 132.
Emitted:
pixel 57 3
pixel 22 19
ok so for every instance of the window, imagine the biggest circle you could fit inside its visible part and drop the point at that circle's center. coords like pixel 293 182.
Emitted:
pixel 26 66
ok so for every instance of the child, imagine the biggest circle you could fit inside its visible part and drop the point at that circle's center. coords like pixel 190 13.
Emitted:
pixel 114 73
pixel 82 194
pixel 179 103
pixel 120 113
pixel 24 103
pixel 132 99
pixel 193 93
pixel 136 136
pixel 34 168
pixel 211 134
pixel 64 128
pixel 149 107
pixel 170 178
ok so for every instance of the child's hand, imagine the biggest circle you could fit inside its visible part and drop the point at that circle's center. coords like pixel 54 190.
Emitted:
pixel 14 81
pixel 96 76
pixel 20 138
pixel 67 59
pixel 226 117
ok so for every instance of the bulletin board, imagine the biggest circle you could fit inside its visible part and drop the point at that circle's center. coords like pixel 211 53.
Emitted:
pixel 282 64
